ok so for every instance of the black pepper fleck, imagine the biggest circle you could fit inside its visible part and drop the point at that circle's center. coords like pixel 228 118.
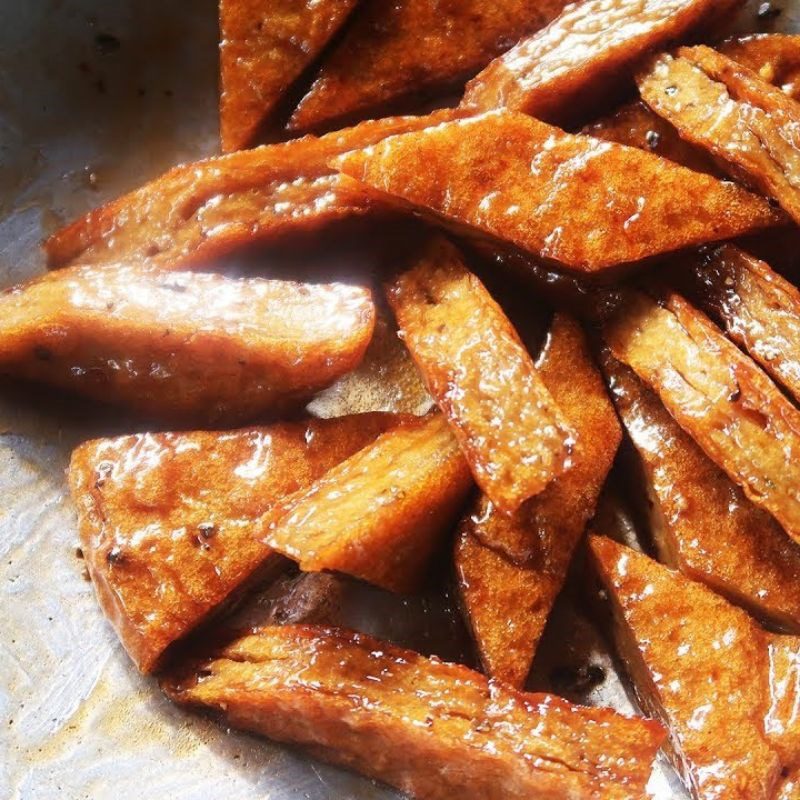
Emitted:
pixel 106 44
pixel 653 139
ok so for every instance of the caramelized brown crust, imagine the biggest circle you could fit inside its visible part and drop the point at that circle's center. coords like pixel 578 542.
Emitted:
pixel 511 432
pixel 702 665
pixel 396 50
pixel 755 306
pixel 726 109
pixel 776 59
pixel 169 522
pixel 197 212
pixel 183 346
pixel 574 63
pixel 265 45
pixel 511 568
pixel 381 514
pixel 724 401
pixel 431 729
pixel 521 193
pixel 701 521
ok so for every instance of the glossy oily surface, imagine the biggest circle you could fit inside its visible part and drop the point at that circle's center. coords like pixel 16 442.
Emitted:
pixel 702 665
pixel 511 431
pixel 395 50
pixel 184 347
pixel 197 212
pixel 435 730
pixel 724 401
pixel 381 514
pixel 774 57
pixel 728 110
pixel 701 521
pixel 521 193
pixel 756 307
pixel 169 522
pixel 511 568
pixel 265 46
pixel 575 62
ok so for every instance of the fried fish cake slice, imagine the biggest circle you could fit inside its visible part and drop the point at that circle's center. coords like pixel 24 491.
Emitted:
pixel 381 514
pixel 394 51
pixel 729 111
pixel 755 306
pixel 429 728
pixel 511 568
pixel 512 433
pixel 774 56
pixel 563 198
pixel 197 212
pixel 169 522
pixel 699 664
pixel 734 412
pixel 702 523
pixel 564 69
pixel 183 346
pixel 265 46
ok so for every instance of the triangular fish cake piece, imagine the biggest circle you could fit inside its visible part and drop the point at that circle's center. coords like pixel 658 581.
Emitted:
pixel 197 212
pixel 510 429
pixel 699 664
pixel 395 50
pixel 578 60
pixel 757 308
pixel 701 522
pixel 725 108
pixel 719 396
pixel 517 181
pixel 510 568
pixel 774 56
pixel 169 522
pixel 265 46
pixel 432 729
pixel 186 347
pixel 381 514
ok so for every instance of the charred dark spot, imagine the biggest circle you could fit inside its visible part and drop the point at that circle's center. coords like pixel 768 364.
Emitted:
pixel 115 556
pixel 735 394
pixel 42 353
pixel 78 552
pixel 106 44
pixel 653 139
pixel 207 529
pixel 577 679
pixel 773 202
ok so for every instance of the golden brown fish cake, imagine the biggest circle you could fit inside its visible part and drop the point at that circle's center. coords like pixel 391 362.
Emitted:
pixel 701 521
pixel 512 433
pixel 265 45
pixel 756 307
pixel 394 51
pixel 522 194
pixel 511 568
pixel 699 664
pixel 749 125
pixel 568 68
pixel 431 729
pixel 169 522
pixel 381 514
pixel 734 412
pixel 198 212
pixel 185 347
pixel 776 59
